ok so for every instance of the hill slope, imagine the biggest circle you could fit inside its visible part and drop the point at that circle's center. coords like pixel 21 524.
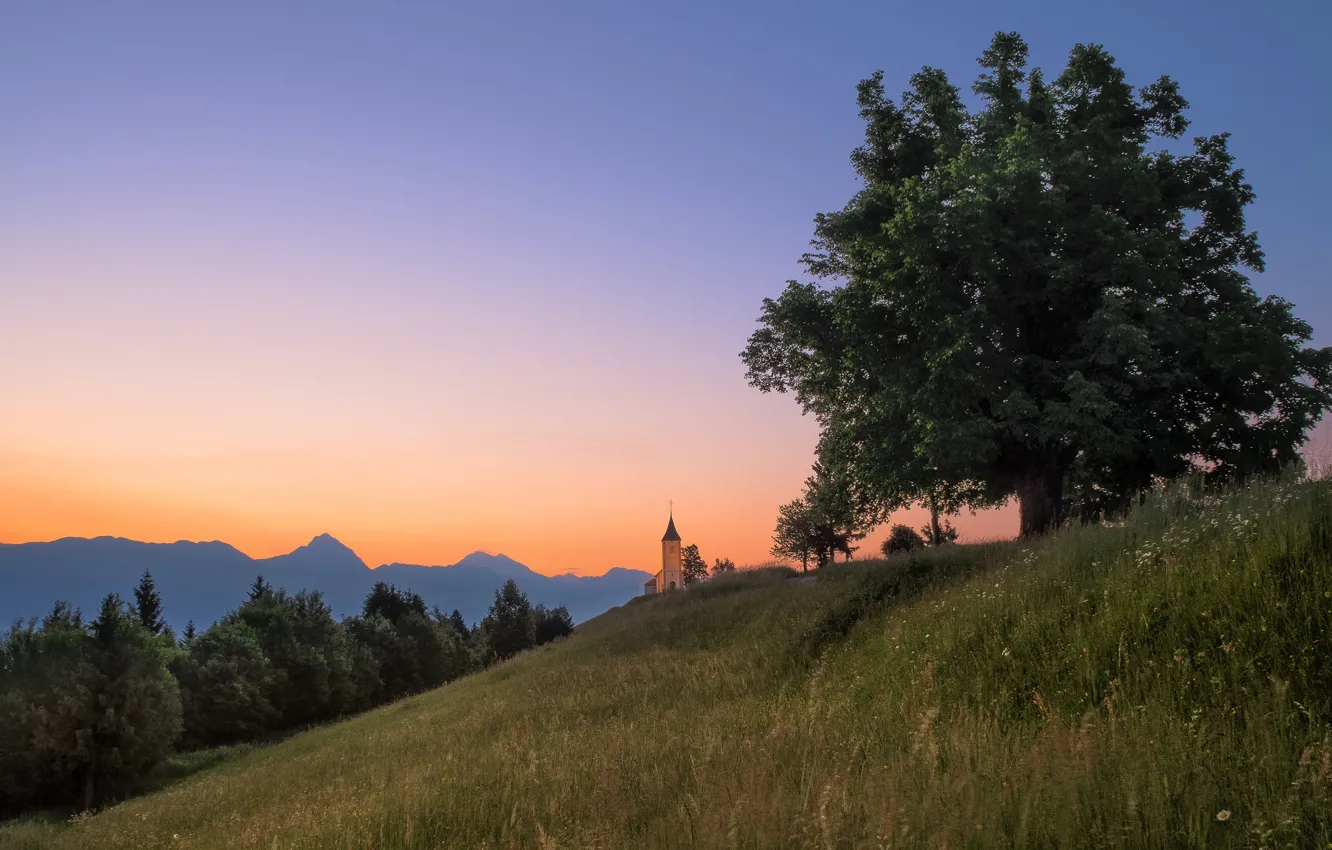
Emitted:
pixel 1163 683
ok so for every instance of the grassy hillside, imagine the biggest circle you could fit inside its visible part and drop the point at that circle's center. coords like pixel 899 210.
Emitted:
pixel 1166 682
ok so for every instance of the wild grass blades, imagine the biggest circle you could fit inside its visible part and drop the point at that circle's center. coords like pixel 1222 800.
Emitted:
pixel 1121 686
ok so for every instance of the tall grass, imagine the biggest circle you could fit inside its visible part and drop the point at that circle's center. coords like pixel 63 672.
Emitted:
pixel 1166 682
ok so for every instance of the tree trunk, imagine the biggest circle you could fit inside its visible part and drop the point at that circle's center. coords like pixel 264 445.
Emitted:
pixel 89 788
pixel 936 533
pixel 1040 499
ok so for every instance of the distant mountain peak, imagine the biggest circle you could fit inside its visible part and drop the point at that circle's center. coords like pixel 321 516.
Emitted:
pixel 498 563
pixel 326 541
pixel 323 551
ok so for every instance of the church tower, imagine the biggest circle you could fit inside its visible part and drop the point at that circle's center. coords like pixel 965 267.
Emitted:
pixel 669 578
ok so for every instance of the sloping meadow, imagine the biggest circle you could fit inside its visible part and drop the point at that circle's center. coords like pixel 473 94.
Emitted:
pixel 1166 682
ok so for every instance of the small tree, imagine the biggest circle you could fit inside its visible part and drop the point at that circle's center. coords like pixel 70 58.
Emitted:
pixel 794 537
pixel 459 624
pixel 692 566
pixel 827 520
pixel 841 515
pixel 187 638
pixel 509 625
pixel 722 565
pixel 259 589
pixel 902 538
pixel 937 534
pixel 551 623
pixel 148 605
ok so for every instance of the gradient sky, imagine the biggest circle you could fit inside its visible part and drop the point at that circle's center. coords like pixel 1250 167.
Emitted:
pixel 439 277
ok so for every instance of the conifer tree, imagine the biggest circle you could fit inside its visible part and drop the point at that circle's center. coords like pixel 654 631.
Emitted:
pixel 459 624
pixel 259 589
pixel 148 605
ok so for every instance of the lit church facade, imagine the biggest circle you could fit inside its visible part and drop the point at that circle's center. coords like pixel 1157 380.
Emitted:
pixel 669 577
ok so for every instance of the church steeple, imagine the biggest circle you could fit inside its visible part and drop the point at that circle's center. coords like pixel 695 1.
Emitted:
pixel 671 533
pixel 670 577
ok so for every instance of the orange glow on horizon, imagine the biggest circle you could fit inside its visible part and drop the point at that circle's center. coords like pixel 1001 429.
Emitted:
pixel 44 499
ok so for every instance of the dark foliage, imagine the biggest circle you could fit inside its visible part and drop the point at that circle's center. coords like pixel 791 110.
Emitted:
pixel 1034 300
pixel 902 538
pixel 148 605
pixel 88 710
pixel 692 566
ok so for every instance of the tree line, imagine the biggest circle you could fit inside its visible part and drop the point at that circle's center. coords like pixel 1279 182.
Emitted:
pixel 86 707
pixel 1039 299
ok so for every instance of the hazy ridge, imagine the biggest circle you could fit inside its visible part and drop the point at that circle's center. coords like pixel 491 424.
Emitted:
pixel 202 581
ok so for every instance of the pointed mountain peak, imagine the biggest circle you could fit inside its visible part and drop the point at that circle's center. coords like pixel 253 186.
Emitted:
pixel 326 541
pixel 323 551
pixel 498 563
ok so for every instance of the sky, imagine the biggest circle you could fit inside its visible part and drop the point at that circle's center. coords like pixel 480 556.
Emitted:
pixel 445 277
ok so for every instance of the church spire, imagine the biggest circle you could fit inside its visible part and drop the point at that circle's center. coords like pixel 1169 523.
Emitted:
pixel 671 533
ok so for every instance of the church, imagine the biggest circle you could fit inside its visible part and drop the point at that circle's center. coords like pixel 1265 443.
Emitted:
pixel 669 576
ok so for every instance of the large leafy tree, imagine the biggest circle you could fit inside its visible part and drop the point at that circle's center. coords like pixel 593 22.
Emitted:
pixel 1037 300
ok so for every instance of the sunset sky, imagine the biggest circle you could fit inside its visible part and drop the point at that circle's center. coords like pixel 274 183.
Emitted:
pixel 441 277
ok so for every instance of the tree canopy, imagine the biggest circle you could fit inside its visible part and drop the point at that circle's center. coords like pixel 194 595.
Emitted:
pixel 827 519
pixel 902 538
pixel 692 566
pixel 1038 299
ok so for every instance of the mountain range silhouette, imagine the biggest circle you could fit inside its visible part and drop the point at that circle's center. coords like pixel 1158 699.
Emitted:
pixel 203 581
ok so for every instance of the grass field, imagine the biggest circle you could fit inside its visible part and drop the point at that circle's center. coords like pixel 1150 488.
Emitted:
pixel 1167 682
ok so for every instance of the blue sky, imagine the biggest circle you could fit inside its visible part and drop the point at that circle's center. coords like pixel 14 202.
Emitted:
pixel 397 232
